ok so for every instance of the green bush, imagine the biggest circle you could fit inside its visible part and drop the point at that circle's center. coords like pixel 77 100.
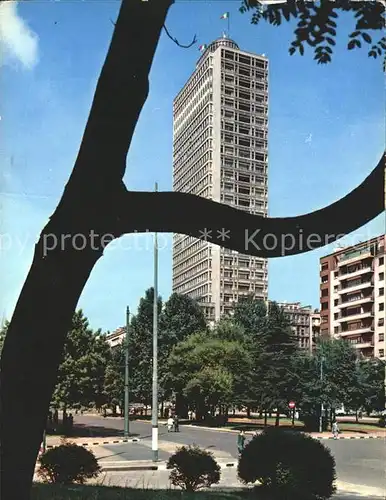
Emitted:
pixel 289 465
pixel 382 421
pixel 68 463
pixel 193 468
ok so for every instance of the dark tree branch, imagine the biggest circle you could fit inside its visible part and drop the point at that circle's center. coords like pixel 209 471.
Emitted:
pixel 177 42
pixel 273 237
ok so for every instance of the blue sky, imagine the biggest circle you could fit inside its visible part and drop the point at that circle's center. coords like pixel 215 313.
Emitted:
pixel 326 134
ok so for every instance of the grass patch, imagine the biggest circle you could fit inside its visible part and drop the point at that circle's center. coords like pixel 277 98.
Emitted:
pixel 78 492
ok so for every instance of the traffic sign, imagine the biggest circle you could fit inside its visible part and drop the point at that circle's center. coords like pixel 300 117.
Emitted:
pixel 292 404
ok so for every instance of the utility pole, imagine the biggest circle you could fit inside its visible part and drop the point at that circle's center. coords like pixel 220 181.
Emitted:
pixel 154 406
pixel 126 409
pixel 321 396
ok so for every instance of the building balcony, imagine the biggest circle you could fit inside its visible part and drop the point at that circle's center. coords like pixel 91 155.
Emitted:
pixel 364 345
pixel 358 331
pixel 352 317
pixel 358 272
pixel 361 300
pixel 356 286
pixel 355 257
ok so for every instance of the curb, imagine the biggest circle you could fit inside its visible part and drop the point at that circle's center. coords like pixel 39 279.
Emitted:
pixel 98 443
pixel 348 437
pixel 219 429
pixel 161 466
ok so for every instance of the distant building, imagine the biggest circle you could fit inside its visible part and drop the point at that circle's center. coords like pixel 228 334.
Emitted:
pixel 117 337
pixel 304 322
pixel 352 296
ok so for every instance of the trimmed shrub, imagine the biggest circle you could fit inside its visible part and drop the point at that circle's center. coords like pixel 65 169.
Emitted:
pixel 193 468
pixel 289 465
pixel 68 463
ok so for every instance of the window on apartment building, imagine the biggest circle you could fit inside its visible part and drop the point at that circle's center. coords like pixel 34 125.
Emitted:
pixel 381 337
pixel 381 291
pixel 244 130
pixel 324 279
pixel 244 72
pixel 381 261
pixel 325 292
pixel 245 95
pixel 244 59
pixel 336 315
pixel 381 353
pixel 325 266
pixel 381 276
pixel 244 178
pixel 381 306
pixel 336 302
pixel 245 142
pixel 324 306
pixel 336 329
pixel 381 321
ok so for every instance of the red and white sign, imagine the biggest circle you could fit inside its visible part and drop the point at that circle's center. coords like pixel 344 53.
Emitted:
pixel 291 404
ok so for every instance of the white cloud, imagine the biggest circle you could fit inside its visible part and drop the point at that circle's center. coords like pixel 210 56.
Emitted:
pixel 17 40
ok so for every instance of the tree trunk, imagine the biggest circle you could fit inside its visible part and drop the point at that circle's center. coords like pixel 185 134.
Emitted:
pixel 277 421
pixel 357 416
pixel 248 412
pixel 91 207
pixel 265 419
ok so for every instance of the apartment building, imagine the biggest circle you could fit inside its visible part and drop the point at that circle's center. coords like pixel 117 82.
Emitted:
pixel 352 296
pixel 116 337
pixel 304 322
pixel 220 127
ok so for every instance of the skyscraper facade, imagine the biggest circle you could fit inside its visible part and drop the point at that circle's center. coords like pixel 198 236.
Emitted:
pixel 220 127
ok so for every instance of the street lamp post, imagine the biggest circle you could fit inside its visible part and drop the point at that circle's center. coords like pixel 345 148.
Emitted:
pixel 321 404
pixel 126 408
pixel 154 406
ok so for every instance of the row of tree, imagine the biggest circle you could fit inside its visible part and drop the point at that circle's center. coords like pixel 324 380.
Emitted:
pixel 250 359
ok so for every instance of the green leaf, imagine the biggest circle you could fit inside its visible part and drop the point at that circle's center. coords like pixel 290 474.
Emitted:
pixel 366 37
pixel 355 34
pixel 331 41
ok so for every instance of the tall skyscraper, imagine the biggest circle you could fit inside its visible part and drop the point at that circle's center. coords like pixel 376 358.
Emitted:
pixel 352 296
pixel 220 152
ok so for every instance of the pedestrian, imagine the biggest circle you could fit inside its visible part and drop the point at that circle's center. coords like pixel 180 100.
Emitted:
pixel 335 429
pixel 176 424
pixel 170 423
pixel 190 415
pixel 240 442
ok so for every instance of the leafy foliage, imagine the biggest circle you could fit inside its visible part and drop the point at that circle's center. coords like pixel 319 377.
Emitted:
pixel 339 374
pixel 193 468
pixel 207 369
pixel 289 465
pixel 68 463
pixel 141 348
pixel 182 316
pixel 81 374
pixel 3 333
pixel 369 390
pixel 317 24
pixel 272 380
pixel 114 383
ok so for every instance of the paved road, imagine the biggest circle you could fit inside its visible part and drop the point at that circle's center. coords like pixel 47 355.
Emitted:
pixel 357 461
